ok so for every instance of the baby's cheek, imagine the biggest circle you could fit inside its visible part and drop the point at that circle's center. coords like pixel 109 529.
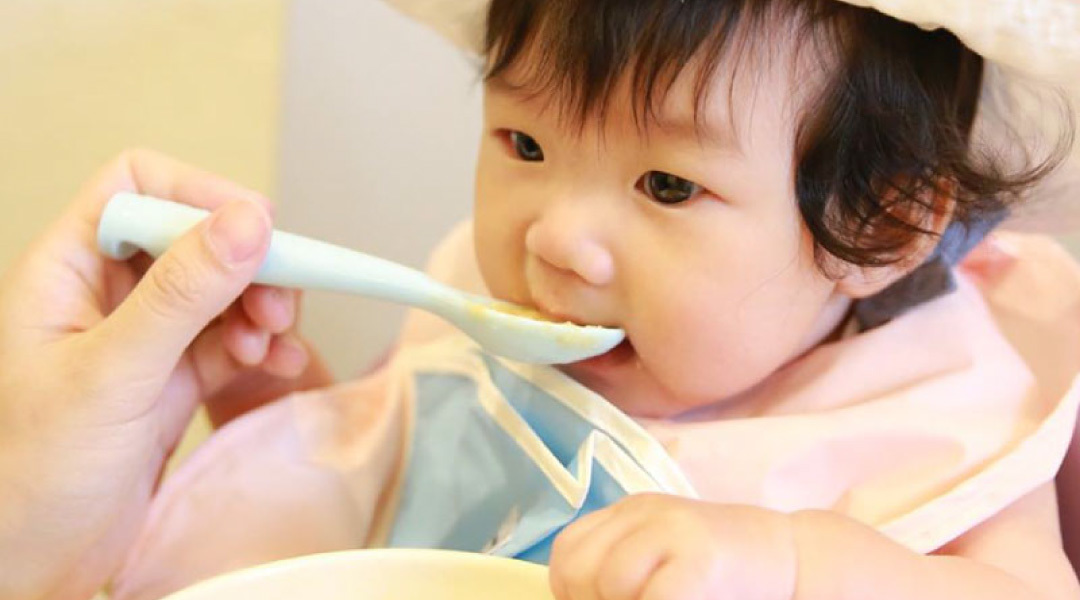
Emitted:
pixel 683 352
pixel 716 355
pixel 500 261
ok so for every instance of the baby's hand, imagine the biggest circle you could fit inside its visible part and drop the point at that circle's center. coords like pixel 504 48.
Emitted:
pixel 655 547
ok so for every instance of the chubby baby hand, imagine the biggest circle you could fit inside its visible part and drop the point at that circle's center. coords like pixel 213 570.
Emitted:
pixel 656 547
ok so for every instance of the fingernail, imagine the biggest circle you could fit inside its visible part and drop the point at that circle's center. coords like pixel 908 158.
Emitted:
pixel 238 231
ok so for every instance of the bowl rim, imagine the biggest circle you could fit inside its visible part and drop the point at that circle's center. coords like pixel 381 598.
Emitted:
pixel 278 567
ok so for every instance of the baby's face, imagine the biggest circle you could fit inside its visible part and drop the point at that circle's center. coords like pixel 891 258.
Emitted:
pixel 692 244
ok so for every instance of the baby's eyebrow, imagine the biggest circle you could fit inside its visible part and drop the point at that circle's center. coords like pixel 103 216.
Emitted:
pixel 500 85
pixel 676 127
pixel 699 130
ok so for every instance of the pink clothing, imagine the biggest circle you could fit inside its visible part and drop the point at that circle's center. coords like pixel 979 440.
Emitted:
pixel 922 428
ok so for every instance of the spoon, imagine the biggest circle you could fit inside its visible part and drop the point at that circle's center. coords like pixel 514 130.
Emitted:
pixel 132 222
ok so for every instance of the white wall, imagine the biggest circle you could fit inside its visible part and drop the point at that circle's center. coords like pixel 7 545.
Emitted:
pixel 379 135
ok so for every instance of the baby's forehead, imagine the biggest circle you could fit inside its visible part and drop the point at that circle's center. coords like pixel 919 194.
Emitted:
pixel 718 76
pixel 715 101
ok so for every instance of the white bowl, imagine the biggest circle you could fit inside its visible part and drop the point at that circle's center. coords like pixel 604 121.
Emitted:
pixel 380 575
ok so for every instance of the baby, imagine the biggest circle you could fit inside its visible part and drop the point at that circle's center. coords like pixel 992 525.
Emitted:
pixel 771 197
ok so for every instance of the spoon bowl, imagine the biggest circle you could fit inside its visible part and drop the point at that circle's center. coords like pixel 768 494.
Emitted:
pixel 499 326
pixel 132 222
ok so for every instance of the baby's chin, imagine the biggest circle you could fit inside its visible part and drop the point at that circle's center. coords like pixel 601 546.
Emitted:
pixel 623 379
pixel 631 383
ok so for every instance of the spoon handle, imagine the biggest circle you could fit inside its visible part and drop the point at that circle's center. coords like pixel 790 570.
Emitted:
pixel 132 222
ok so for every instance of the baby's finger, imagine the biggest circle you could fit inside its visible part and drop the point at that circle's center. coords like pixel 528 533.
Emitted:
pixel 580 529
pixel 630 563
pixel 564 548
pixel 245 341
pixel 270 308
pixel 577 558
pixel 681 578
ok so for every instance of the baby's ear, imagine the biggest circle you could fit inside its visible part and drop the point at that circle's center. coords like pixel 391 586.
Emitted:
pixel 931 210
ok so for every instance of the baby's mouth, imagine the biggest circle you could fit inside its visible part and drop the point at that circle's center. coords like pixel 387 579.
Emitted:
pixel 622 353
pixel 623 349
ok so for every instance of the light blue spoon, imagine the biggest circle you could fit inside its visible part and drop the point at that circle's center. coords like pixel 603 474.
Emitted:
pixel 132 222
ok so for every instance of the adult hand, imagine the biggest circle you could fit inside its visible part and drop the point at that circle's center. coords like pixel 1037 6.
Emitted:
pixel 103 363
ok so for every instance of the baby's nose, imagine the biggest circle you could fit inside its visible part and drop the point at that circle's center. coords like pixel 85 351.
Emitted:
pixel 571 249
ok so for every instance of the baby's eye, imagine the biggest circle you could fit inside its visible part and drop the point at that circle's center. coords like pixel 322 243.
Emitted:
pixel 666 188
pixel 525 147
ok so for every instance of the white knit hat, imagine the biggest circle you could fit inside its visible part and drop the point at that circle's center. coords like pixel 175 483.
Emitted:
pixel 1031 47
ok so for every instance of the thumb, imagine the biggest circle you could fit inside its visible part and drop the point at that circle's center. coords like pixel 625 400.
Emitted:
pixel 190 285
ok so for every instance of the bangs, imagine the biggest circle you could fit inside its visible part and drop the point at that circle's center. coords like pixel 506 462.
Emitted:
pixel 581 52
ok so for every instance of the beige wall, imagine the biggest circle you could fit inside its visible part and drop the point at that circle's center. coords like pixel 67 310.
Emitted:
pixel 82 79
pixel 377 117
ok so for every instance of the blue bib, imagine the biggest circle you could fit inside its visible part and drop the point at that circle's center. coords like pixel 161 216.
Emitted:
pixel 502 456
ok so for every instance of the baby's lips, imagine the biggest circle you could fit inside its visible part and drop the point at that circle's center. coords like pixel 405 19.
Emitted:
pixel 560 317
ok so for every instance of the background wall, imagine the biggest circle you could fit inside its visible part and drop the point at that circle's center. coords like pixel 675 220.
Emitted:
pixel 80 81
pixel 381 120
pixel 367 139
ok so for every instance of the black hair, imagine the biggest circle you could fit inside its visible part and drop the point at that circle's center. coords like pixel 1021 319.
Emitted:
pixel 884 141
